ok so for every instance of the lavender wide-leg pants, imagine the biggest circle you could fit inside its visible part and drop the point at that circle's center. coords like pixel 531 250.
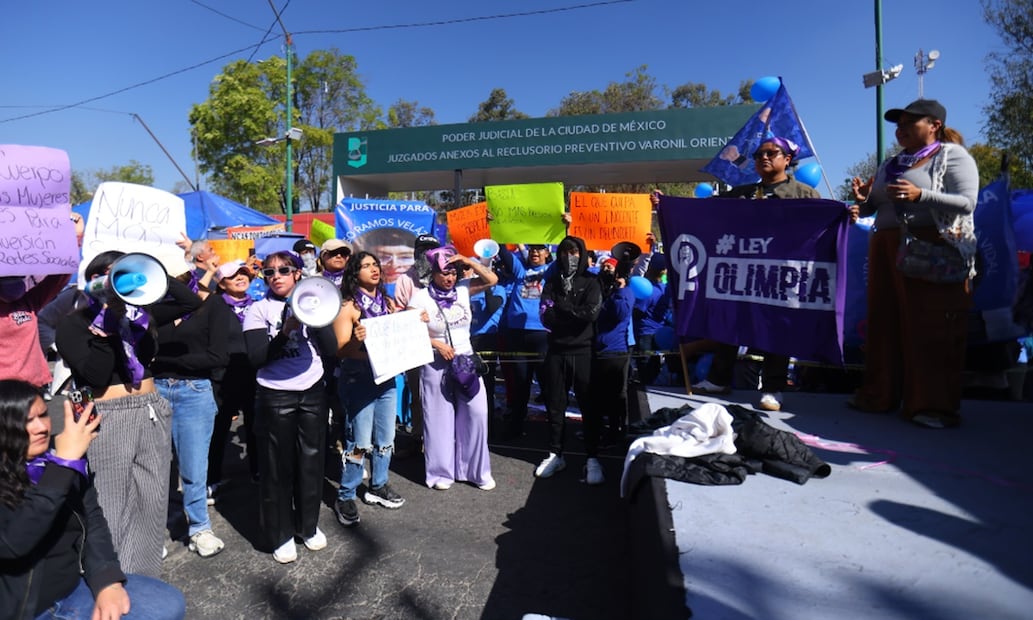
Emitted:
pixel 455 430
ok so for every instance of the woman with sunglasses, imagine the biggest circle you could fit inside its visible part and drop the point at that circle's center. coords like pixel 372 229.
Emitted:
pixel 109 347
pixel 56 555
pixel 772 160
pixel 455 427
pixel 290 411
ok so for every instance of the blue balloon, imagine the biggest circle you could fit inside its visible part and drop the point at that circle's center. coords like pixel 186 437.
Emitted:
pixel 665 339
pixel 704 190
pixel 641 287
pixel 809 174
pixel 765 88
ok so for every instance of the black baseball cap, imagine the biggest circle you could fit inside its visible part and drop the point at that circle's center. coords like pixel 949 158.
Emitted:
pixel 920 108
pixel 304 245
pixel 426 242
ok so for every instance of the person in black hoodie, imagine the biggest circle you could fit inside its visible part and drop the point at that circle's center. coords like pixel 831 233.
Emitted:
pixel 56 555
pixel 570 304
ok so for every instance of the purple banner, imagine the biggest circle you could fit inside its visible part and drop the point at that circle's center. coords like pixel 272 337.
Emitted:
pixel 37 238
pixel 767 274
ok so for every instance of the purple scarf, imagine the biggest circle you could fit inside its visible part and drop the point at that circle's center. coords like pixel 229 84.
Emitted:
pixel 239 306
pixel 130 330
pixel 372 306
pixel 35 467
pixel 443 298
pixel 903 161
pixel 334 276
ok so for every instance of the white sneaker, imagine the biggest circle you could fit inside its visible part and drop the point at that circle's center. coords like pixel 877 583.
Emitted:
pixel 706 387
pixel 286 553
pixel 594 472
pixel 442 486
pixel 206 544
pixel 316 541
pixel 487 486
pixel 550 465
pixel 771 401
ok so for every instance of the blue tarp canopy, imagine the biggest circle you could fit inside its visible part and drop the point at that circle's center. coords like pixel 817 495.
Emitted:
pixel 206 211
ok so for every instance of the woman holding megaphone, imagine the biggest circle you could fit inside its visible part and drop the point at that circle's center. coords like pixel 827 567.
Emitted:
pixel 290 410
pixel 109 347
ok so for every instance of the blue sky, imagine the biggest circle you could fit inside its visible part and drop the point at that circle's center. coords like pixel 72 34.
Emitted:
pixel 65 51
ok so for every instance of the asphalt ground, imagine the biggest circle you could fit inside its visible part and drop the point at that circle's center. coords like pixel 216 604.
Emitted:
pixel 556 547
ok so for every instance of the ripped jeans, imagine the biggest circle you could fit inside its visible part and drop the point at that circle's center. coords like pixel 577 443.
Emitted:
pixel 370 414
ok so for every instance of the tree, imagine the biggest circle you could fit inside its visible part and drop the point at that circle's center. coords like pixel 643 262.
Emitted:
pixel 247 103
pixel 988 159
pixel 635 94
pixel 694 95
pixel 1009 114
pixel 85 183
pixel 497 107
pixel 241 109
pixel 329 97
pixel 409 114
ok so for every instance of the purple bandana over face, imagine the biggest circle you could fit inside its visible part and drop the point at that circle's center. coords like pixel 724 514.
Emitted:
pixel 443 298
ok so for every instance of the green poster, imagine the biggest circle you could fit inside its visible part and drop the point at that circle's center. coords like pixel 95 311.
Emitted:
pixel 320 232
pixel 530 213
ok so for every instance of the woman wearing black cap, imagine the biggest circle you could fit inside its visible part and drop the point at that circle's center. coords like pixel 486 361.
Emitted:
pixel 915 348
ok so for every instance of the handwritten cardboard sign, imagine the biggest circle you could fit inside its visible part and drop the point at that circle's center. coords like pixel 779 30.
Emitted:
pixel 135 218
pixel 395 343
pixel 529 213
pixel 604 220
pixel 468 225
pixel 37 236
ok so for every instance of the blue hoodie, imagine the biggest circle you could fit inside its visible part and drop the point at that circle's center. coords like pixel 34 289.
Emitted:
pixel 525 290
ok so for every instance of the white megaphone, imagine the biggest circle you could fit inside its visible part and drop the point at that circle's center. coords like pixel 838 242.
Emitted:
pixel 137 279
pixel 315 301
pixel 486 249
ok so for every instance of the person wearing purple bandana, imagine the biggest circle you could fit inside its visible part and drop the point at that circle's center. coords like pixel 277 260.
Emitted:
pixel 52 526
pixel 455 427
pixel 234 388
pixel 333 256
pixel 772 160
pixel 915 347
pixel 109 347
pixel 290 411
pixel 370 409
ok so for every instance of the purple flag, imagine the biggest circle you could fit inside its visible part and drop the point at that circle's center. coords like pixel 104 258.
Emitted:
pixel 777 117
pixel 768 274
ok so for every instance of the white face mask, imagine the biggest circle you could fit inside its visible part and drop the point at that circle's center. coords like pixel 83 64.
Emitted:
pixel 310 262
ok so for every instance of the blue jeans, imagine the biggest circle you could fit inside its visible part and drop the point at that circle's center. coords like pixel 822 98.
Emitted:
pixel 370 413
pixel 193 418
pixel 149 599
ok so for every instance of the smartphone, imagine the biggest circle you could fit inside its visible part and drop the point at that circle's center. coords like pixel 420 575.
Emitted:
pixel 79 399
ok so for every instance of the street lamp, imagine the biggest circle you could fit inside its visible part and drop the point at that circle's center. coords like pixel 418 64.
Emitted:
pixel 924 62
pixel 293 134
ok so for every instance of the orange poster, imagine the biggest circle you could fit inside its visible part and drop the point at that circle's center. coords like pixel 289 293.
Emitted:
pixel 603 220
pixel 232 249
pixel 467 226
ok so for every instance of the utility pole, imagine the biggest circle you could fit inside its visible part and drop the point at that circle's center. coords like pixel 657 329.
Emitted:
pixel 880 148
pixel 289 185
